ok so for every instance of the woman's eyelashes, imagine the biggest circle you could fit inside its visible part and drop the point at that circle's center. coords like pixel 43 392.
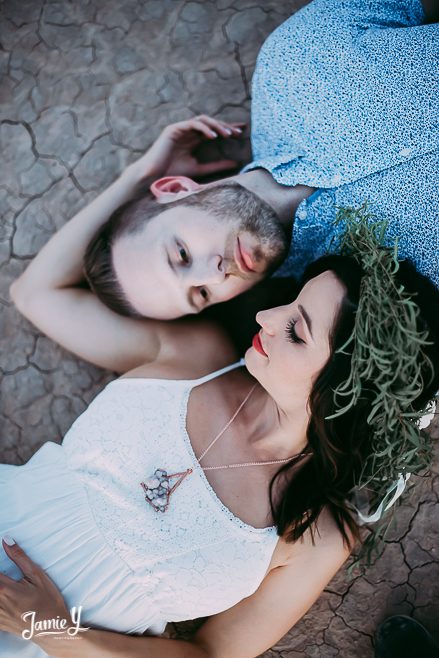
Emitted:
pixel 291 332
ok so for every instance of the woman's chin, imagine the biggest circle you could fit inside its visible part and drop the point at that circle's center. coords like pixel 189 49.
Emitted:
pixel 248 357
pixel 253 362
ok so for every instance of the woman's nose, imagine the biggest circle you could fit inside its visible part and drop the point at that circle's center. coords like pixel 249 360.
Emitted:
pixel 265 319
pixel 270 319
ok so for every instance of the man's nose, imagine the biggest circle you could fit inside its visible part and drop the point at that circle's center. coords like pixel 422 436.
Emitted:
pixel 208 272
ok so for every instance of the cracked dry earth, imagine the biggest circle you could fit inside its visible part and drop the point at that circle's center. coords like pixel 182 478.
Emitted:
pixel 86 87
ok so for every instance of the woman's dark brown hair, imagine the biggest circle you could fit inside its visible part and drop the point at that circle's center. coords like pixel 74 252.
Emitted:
pixel 340 446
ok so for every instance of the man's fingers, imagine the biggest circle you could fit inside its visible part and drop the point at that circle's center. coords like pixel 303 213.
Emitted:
pixel 214 167
pixel 23 562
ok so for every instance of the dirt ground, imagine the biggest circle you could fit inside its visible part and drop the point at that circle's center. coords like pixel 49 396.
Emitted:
pixel 86 87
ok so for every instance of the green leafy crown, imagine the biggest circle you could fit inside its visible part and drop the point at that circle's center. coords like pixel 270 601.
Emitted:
pixel 388 359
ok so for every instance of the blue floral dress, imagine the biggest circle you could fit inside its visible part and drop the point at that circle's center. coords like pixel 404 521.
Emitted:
pixel 346 100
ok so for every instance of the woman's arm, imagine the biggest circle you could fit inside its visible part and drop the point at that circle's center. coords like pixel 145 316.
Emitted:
pixel 49 292
pixel 106 644
pixel 244 631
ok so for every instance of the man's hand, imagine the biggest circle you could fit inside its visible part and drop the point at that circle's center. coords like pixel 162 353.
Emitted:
pixel 172 154
pixel 34 592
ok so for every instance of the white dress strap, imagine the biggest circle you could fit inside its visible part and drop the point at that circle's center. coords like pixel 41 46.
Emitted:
pixel 218 373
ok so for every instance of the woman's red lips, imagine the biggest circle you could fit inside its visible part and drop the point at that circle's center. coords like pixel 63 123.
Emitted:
pixel 256 342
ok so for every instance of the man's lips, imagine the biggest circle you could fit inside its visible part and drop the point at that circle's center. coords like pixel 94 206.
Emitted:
pixel 243 259
pixel 256 342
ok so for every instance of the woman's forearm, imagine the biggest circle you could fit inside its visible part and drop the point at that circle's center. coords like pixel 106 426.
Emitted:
pixel 60 263
pixel 106 644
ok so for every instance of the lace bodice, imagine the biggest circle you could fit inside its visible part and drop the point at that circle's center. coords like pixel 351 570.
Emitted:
pixel 197 558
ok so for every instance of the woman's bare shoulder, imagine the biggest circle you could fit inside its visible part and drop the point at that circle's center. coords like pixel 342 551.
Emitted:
pixel 326 538
pixel 189 348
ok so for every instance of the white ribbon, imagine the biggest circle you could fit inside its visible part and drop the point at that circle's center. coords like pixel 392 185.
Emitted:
pixel 430 413
pixel 399 486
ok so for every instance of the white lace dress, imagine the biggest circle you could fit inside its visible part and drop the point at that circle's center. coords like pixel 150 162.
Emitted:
pixel 79 511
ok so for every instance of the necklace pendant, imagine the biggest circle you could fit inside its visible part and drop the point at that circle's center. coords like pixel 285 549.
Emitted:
pixel 158 488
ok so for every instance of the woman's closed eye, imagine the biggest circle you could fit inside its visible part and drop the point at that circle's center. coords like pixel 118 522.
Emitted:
pixel 291 332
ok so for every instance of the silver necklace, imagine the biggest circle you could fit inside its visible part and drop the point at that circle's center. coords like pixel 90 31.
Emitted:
pixel 158 488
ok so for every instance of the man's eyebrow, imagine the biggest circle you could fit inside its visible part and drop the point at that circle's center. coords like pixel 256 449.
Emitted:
pixel 307 319
pixel 189 294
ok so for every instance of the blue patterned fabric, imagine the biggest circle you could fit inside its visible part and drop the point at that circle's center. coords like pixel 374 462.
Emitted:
pixel 346 100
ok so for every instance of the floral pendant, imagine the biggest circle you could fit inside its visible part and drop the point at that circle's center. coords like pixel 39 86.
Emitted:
pixel 158 488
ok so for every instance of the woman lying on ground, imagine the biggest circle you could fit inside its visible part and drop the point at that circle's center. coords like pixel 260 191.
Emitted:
pixel 185 491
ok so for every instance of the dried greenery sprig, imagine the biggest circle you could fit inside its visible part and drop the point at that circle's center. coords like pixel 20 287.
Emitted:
pixel 388 362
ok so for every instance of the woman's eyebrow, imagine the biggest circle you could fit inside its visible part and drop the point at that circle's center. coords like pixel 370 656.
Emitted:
pixel 307 319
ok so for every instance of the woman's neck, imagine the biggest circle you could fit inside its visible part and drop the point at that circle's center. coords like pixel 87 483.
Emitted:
pixel 270 432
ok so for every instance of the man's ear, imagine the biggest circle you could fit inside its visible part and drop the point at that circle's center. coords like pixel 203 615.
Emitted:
pixel 171 188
